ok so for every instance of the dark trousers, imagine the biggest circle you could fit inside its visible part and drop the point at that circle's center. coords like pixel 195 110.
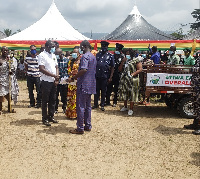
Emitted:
pixel 31 81
pixel 83 109
pixel 196 100
pixel 112 86
pixel 101 85
pixel 48 97
pixel 196 121
pixel 62 89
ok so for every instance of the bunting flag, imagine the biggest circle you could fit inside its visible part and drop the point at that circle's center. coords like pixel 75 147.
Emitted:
pixel 161 45
pixel 96 45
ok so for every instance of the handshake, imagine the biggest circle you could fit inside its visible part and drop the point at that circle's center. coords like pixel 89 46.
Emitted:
pixel 63 81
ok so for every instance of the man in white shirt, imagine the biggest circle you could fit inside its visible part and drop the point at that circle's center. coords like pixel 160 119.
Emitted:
pixel 49 80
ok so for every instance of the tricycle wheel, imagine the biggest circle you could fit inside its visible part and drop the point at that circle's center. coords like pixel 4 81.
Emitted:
pixel 185 108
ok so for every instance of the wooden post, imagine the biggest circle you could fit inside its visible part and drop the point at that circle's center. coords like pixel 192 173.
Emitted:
pixel 193 46
pixel 23 53
pixel 10 86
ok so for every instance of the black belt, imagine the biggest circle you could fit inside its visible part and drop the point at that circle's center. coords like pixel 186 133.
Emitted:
pixel 33 76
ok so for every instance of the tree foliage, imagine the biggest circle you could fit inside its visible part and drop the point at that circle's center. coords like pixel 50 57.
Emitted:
pixel 196 14
pixel 178 34
pixel 8 32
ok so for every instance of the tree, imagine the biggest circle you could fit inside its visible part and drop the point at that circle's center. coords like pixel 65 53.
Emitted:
pixel 8 32
pixel 179 34
pixel 196 15
pixel 191 31
pixel 17 31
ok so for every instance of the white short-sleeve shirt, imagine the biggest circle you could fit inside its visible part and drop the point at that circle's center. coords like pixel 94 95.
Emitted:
pixel 49 61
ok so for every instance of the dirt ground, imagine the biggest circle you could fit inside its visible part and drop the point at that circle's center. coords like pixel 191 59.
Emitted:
pixel 151 144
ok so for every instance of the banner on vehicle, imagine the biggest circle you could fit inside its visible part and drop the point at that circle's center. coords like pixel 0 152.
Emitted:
pixel 170 80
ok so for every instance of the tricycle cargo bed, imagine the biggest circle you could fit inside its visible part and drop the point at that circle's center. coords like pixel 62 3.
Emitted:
pixel 167 79
pixel 172 80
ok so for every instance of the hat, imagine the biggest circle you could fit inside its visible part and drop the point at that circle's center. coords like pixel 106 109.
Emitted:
pixel 104 43
pixel 187 50
pixel 119 46
pixel 154 48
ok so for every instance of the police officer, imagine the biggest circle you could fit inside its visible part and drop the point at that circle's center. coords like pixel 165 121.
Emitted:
pixel 104 73
pixel 114 84
pixel 195 84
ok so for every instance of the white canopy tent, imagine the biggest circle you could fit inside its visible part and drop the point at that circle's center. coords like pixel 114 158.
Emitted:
pixel 52 26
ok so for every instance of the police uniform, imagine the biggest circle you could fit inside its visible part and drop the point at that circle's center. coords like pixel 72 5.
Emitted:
pixel 195 84
pixel 114 84
pixel 105 60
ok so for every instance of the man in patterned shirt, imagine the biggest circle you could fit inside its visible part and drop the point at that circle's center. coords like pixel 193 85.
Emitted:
pixel 173 58
pixel 86 86
pixel 33 77
pixel 61 88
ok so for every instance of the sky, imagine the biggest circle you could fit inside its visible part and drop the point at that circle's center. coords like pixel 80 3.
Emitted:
pixel 99 16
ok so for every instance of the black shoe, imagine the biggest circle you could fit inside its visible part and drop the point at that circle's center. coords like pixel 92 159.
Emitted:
pixel 191 126
pixel 64 111
pixel 94 107
pixel 31 105
pixel 46 122
pixel 196 132
pixel 102 108
pixel 51 119
pixel 38 106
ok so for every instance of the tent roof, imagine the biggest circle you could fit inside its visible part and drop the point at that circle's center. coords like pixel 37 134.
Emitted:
pixel 45 28
pixel 2 35
pixel 135 27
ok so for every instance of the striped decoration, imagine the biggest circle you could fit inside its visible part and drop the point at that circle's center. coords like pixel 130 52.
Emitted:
pixel 140 45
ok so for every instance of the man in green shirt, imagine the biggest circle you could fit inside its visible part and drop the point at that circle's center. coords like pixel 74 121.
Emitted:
pixel 188 60
pixel 173 58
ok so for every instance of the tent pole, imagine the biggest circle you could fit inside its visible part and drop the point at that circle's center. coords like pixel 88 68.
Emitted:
pixel 23 54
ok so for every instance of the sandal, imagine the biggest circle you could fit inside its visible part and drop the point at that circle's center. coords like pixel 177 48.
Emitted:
pixel 147 104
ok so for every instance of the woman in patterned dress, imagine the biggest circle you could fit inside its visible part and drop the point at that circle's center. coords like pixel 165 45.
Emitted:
pixel 129 82
pixel 73 66
pixel 4 78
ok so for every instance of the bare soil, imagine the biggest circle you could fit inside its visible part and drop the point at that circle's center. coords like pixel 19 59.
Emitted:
pixel 151 144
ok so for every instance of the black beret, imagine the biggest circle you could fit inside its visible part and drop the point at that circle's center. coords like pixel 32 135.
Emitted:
pixel 154 48
pixel 104 43
pixel 119 46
